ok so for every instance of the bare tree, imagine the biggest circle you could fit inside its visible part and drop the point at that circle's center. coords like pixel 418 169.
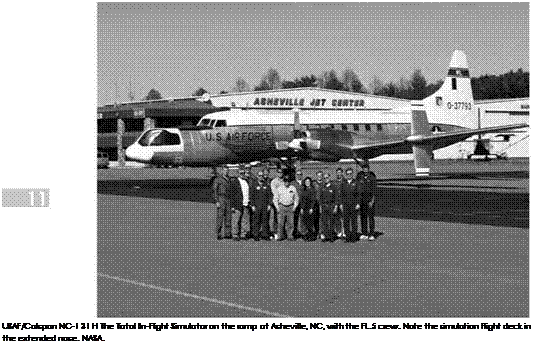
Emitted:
pixel 263 85
pixel 270 81
pixel 348 76
pixel 273 79
pixel 376 85
pixel 404 88
pixel 321 80
pixel 351 81
pixel 332 82
pixel 241 85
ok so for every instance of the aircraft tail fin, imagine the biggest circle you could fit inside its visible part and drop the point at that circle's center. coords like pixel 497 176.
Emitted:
pixel 453 102
pixel 422 153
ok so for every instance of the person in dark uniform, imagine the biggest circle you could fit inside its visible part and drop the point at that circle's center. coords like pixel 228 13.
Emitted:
pixel 250 178
pixel 221 195
pixel 349 203
pixel 328 208
pixel 339 216
pixel 366 182
pixel 308 200
pixel 260 201
pixel 239 200
pixel 290 171
pixel 298 183
pixel 318 186
pixel 266 174
pixel 271 215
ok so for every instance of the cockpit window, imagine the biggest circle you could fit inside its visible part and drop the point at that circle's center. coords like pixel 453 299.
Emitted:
pixel 211 123
pixel 221 123
pixel 204 122
pixel 159 138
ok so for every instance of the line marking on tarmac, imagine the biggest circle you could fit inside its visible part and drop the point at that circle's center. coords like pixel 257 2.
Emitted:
pixel 186 294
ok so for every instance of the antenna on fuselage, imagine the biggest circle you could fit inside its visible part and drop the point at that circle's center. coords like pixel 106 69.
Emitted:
pixel 297 129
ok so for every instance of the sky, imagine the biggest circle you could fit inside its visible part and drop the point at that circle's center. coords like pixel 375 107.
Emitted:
pixel 178 47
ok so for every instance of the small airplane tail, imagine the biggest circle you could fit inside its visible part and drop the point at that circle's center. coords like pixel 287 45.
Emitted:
pixel 453 102
pixel 422 153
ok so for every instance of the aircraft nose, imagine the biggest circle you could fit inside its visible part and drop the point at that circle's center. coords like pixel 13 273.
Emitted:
pixel 138 153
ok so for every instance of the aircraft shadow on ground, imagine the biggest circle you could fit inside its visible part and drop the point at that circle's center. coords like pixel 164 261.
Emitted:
pixel 455 206
pixel 490 175
pixel 479 176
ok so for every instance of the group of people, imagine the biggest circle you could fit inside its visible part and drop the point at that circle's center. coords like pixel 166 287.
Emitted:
pixel 255 207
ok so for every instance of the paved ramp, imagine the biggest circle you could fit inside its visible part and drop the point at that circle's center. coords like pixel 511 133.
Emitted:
pixel 159 257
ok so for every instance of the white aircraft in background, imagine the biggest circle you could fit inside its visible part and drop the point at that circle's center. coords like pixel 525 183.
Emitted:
pixel 248 135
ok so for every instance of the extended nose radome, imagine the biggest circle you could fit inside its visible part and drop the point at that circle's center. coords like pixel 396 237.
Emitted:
pixel 139 154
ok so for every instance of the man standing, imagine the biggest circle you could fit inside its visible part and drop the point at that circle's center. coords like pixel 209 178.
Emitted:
pixel 274 185
pixel 318 187
pixel 240 195
pixel 250 178
pixel 349 203
pixel 328 209
pixel 221 195
pixel 366 182
pixel 271 215
pixel 260 200
pixel 339 216
pixel 298 183
pixel 285 200
pixel 266 174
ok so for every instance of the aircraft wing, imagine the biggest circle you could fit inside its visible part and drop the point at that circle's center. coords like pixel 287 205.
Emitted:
pixel 378 148
pixel 445 139
pixel 374 149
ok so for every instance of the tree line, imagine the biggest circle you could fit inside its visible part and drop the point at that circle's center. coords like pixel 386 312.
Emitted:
pixel 513 84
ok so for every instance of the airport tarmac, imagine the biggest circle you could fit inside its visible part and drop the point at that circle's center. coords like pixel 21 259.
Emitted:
pixel 456 245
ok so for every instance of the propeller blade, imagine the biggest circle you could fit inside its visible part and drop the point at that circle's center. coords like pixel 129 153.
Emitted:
pixel 297 127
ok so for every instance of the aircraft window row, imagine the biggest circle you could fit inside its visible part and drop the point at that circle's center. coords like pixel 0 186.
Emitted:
pixel 159 138
pixel 344 127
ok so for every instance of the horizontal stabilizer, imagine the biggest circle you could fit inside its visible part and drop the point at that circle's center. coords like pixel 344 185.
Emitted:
pixel 425 143
pixel 457 136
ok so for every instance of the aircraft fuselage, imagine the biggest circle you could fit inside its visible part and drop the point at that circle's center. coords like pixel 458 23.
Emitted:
pixel 240 144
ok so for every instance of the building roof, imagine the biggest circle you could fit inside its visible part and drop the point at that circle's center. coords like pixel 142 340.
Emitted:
pixel 166 107
pixel 297 89
pixel 486 101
